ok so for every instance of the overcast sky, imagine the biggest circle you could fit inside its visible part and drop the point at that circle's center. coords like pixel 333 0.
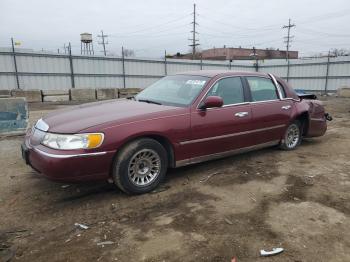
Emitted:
pixel 151 26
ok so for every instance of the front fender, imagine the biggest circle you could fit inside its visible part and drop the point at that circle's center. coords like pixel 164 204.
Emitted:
pixel 173 128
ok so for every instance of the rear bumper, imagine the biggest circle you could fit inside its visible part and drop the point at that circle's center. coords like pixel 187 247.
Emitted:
pixel 317 127
pixel 67 167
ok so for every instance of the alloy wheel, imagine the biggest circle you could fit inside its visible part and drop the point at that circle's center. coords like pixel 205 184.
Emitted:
pixel 144 167
pixel 292 136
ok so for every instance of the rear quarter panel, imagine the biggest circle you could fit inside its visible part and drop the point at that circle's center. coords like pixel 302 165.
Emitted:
pixel 317 124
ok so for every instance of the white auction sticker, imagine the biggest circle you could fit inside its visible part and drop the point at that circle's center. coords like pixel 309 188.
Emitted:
pixel 195 82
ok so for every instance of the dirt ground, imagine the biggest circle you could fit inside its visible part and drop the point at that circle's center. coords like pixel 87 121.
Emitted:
pixel 213 211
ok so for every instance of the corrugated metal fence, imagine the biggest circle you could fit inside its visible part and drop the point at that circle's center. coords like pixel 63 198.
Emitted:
pixel 56 71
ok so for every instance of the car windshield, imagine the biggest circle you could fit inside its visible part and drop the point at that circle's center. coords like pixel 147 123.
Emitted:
pixel 178 90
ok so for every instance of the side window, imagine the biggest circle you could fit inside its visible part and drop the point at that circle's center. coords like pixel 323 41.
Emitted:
pixel 262 89
pixel 229 89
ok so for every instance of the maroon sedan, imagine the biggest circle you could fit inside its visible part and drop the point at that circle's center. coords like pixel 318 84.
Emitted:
pixel 179 120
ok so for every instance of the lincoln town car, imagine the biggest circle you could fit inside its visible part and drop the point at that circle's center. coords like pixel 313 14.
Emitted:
pixel 179 120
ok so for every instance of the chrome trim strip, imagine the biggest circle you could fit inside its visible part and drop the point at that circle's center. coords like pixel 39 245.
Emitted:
pixel 229 105
pixel 265 101
pixel 274 81
pixel 199 159
pixel 287 98
pixel 270 76
pixel 69 156
pixel 291 99
pixel 41 125
pixel 238 104
pixel 230 135
pixel 318 119
pixel 279 90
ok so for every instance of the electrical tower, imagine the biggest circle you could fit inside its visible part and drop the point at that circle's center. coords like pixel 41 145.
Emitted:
pixel 103 43
pixel 194 32
pixel 65 48
pixel 288 38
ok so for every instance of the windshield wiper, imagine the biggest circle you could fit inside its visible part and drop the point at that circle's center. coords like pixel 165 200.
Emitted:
pixel 131 98
pixel 149 101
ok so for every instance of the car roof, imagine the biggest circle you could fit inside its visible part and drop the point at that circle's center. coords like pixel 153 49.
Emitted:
pixel 213 73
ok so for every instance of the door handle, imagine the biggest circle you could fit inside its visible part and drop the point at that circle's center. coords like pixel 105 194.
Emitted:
pixel 241 114
pixel 286 107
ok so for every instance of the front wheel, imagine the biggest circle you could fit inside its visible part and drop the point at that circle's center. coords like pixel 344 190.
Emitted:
pixel 292 137
pixel 140 166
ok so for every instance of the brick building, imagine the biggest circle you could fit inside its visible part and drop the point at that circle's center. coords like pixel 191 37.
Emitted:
pixel 232 53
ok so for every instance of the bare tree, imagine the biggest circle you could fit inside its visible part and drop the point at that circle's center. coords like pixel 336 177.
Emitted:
pixel 129 53
pixel 339 52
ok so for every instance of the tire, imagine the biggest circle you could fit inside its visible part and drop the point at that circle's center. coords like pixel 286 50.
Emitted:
pixel 292 137
pixel 140 166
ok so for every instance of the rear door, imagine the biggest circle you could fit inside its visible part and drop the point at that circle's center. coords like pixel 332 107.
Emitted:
pixel 218 130
pixel 270 112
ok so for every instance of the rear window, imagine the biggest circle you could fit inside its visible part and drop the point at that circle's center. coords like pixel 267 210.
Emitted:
pixel 262 89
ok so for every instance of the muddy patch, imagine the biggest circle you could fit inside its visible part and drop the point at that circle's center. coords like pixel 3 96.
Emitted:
pixel 306 225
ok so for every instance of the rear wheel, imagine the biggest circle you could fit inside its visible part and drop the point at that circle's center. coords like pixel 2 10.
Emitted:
pixel 292 137
pixel 140 166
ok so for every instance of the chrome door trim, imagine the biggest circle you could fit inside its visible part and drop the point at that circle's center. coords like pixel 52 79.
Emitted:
pixel 291 99
pixel 270 76
pixel 224 154
pixel 274 81
pixel 69 155
pixel 229 105
pixel 318 119
pixel 265 101
pixel 229 135
pixel 280 92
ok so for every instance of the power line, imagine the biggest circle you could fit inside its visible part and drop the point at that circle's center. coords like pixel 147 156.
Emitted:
pixel 182 26
pixel 151 28
pixel 103 43
pixel 327 16
pixel 243 29
pixel 194 32
pixel 288 37
pixel 321 34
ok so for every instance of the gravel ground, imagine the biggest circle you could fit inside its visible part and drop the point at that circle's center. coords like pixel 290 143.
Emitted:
pixel 214 211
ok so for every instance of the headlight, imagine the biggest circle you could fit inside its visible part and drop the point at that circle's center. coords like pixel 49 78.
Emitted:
pixel 69 142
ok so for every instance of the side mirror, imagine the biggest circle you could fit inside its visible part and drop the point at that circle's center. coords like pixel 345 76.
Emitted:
pixel 212 101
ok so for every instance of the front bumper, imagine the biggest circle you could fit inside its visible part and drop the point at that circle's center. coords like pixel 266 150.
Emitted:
pixel 67 166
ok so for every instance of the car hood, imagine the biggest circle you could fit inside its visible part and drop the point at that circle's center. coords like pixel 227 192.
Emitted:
pixel 78 118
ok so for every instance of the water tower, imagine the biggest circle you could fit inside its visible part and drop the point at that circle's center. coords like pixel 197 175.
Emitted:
pixel 86 46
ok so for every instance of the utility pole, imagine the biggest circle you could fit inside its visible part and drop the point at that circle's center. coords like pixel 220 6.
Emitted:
pixel 255 56
pixel 288 38
pixel 103 43
pixel 65 48
pixel 71 65
pixel 15 63
pixel 327 73
pixel 123 67
pixel 194 32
